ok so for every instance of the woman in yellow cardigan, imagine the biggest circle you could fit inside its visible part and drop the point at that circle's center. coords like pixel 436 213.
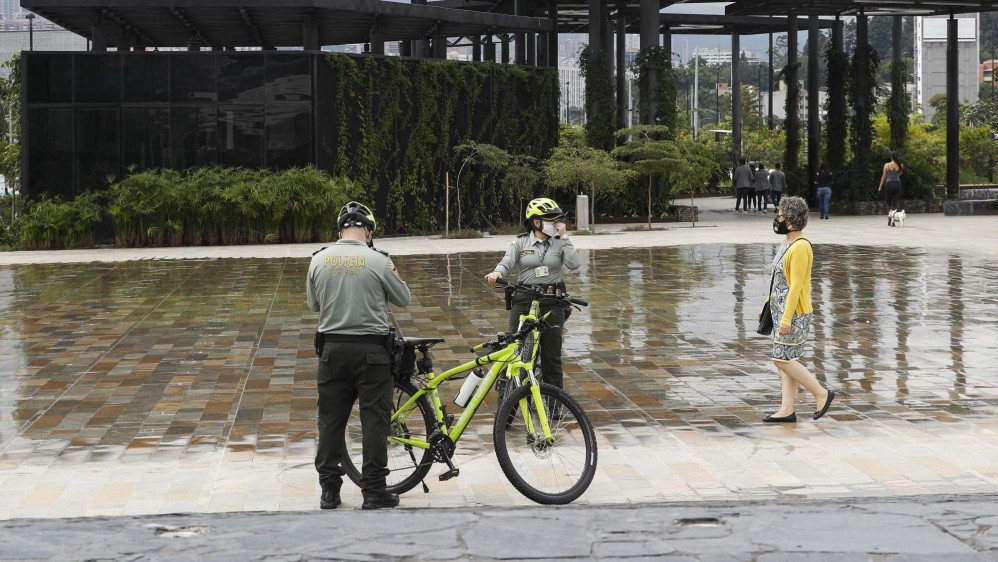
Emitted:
pixel 790 304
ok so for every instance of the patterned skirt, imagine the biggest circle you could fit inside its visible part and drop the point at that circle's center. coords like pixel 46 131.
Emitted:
pixel 791 346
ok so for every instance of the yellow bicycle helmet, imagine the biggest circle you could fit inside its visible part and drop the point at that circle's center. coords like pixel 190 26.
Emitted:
pixel 543 208
pixel 356 214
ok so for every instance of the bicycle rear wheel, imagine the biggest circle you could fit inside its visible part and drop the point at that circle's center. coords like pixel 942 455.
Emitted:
pixel 554 473
pixel 407 465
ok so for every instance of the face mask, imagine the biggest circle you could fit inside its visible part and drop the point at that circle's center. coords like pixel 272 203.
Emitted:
pixel 780 227
pixel 547 227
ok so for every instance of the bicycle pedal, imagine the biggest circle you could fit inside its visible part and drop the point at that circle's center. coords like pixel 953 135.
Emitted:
pixel 448 474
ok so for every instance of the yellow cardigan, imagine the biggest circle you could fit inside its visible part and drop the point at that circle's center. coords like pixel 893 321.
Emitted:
pixel 797 268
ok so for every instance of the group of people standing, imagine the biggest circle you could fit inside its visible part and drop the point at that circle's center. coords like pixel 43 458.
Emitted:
pixel 756 185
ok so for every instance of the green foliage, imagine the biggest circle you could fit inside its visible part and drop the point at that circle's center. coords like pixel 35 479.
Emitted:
pixel 53 224
pixel 835 108
pixel 863 98
pixel 226 206
pixel 686 165
pixel 397 122
pixel 581 169
pixel 764 145
pixel 980 113
pixel 595 69
pixel 978 150
pixel 657 62
pixel 898 107
pixel 485 156
pixel 792 125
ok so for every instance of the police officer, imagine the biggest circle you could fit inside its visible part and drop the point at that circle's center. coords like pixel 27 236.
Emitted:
pixel 538 257
pixel 350 285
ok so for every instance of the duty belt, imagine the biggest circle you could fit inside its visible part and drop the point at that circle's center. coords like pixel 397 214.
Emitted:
pixel 356 338
pixel 551 288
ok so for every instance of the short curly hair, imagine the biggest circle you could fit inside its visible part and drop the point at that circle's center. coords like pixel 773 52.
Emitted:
pixel 795 211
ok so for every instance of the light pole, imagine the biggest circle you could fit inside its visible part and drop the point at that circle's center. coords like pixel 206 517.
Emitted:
pixel 31 31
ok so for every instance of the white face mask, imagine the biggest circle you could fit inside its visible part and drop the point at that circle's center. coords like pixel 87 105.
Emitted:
pixel 548 228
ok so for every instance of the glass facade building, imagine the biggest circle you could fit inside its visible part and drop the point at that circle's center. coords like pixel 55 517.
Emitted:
pixel 93 116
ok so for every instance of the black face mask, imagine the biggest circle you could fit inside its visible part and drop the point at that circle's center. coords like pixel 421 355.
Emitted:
pixel 780 227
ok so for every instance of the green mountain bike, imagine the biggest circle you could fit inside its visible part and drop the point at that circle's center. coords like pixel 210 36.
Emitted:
pixel 544 441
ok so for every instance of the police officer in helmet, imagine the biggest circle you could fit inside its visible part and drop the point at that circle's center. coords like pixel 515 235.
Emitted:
pixel 351 284
pixel 538 257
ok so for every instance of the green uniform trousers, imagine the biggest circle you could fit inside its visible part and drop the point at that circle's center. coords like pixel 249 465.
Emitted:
pixel 550 338
pixel 348 372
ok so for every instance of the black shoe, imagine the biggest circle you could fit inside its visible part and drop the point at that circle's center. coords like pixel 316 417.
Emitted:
pixel 381 501
pixel 330 499
pixel 828 402
pixel 785 419
pixel 557 413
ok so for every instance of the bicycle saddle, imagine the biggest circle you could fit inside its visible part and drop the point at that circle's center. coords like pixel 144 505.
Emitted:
pixel 421 341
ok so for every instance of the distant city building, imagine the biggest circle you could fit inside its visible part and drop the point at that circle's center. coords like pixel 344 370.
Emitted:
pixel 780 100
pixel 930 59
pixel 573 87
pixel 45 40
pixel 985 74
pixel 722 56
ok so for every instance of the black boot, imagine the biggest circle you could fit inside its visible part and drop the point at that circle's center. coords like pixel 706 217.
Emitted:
pixel 330 499
pixel 380 501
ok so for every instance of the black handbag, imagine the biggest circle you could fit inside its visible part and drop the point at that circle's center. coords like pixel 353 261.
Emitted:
pixel 766 321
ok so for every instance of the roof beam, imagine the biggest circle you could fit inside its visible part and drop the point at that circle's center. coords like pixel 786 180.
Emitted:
pixel 252 27
pixel 123 23
pixel 190 25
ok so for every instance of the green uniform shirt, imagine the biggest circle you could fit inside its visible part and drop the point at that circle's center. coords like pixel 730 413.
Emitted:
pixel 527 253
pixel 350 286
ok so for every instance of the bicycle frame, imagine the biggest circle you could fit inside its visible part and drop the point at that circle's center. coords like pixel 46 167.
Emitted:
pixel 508 360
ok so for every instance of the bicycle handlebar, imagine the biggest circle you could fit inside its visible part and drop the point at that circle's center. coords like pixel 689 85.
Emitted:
pixel 537 291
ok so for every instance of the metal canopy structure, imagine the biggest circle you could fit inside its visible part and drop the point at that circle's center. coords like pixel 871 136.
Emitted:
pixel 272 23
pixel 854 7
pixel 732 25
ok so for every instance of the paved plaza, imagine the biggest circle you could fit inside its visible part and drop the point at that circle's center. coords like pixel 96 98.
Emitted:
pixel 159 381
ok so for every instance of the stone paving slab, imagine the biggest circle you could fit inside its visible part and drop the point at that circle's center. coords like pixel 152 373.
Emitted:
pixel 929 529
pixel 187 385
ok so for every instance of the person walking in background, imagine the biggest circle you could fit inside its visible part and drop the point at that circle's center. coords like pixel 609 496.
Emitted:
pixel 743 181
pixel 751 188
pixel 790 305
pixel 891 178
pixel 762 187
pixel 824 182
pixel 777 184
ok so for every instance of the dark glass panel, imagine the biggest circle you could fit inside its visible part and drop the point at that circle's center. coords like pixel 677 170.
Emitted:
pixel 50 152
pixel 50 78
pixel 289 78
pixel 289 135
pixel 241 135
pixel 194 137
pixel 146 136
pixel 97 148
pixel 98 78
pixel 147 78
pixel 193 77
pixel 240 78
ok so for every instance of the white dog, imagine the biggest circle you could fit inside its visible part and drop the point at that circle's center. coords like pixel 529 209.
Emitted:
pixel 896 218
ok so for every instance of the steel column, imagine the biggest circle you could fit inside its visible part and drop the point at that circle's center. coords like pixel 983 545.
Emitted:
pixel 952 108
pixel 813 124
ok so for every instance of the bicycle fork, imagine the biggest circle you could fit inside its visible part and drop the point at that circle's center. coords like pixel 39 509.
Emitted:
pixel 528 420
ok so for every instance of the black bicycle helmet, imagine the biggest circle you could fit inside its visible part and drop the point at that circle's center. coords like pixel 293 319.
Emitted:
pixel 356 214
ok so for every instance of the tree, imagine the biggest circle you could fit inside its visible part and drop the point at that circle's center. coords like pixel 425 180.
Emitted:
pixel 686 164
pixel 979 150
pixel 486 155
pixel 980 113
pixel 577 167
pixel 522 176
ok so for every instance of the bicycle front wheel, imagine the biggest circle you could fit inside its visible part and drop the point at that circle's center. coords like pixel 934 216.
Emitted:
pixel 551 473
pixel 407 464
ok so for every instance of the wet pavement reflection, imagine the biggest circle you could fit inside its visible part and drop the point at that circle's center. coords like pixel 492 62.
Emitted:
pixel 166 386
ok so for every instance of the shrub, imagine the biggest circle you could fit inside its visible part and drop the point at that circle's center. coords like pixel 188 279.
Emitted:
pixel 52 224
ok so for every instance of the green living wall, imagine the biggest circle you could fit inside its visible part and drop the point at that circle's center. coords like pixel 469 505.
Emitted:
pixel 390 126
